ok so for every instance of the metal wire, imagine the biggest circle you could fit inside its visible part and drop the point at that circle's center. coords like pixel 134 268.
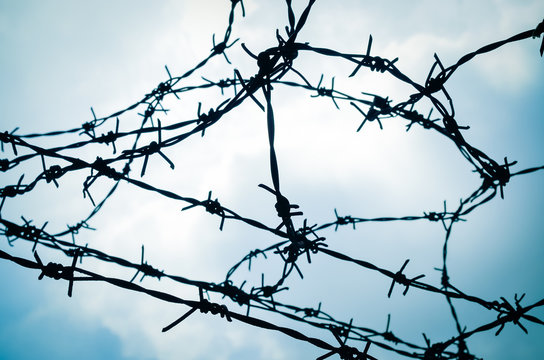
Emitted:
pixel 295 242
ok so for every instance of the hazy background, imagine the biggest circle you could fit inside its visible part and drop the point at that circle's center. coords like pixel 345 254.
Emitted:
pixel 58 58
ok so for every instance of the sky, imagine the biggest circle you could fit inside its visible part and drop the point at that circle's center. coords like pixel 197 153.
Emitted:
pixel 59 58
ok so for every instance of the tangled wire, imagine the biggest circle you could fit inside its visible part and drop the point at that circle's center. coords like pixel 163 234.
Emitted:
pixel 295 242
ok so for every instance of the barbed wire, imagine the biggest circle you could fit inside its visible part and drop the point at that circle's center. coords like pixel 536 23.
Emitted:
pixel 296 242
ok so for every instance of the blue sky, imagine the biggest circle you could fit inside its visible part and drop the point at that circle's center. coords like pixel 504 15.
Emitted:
pixel 59 58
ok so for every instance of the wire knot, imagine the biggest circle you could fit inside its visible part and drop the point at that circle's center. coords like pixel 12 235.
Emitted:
pixel 400 278
pixel 433 216
pixel 88 128
pixel 58 271
pixel 509 313
pixel 8 138
pixel 434 352
pixel 234 293
pixel 4 165
pixel 206 306
pixel 53 173
pixel 102 168
pixel 13 190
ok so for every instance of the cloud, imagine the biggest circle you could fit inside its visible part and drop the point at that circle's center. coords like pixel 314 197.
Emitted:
pixel 324 164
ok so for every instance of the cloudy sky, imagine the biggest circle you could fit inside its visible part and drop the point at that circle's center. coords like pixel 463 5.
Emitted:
pixel 59 58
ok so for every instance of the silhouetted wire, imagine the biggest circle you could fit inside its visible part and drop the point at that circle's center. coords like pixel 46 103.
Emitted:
pixel 306 241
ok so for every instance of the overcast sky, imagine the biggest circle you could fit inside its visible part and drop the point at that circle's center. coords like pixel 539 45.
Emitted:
pixel 59 58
